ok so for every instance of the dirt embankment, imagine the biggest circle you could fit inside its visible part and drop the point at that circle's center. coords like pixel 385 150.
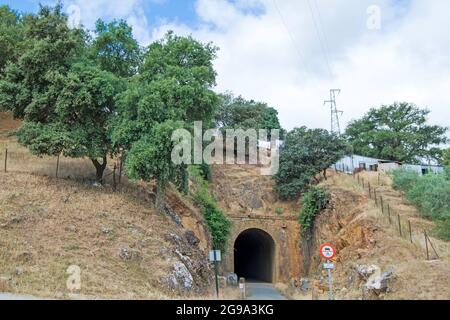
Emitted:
pixel 124 249
pixel 364 238
pixel 241 190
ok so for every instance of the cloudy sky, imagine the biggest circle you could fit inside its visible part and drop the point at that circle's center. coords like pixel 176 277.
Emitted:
pixel 289 53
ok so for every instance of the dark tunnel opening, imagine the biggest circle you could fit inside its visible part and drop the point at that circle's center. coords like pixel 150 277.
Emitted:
pixel 254 252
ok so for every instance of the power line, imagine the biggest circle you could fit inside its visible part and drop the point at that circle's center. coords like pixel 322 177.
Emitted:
pixel 322 46
pixel 321 26
pixel 294 43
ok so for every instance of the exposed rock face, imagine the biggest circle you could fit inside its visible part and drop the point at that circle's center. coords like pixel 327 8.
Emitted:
pixel 379 281
pixel 191 271
pixel 180 279
pixel 191 238
pixel 187 244
pixel 365 271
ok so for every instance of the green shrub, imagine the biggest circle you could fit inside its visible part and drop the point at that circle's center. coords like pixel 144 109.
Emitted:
pixel 404 179
pixel 279 211
pixel 313 202
pixel 430 194
pixel 442 229
pixel 218 224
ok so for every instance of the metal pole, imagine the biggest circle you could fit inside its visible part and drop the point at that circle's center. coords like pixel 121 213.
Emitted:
pixel 370 191
pixel 400 226
pixel 382 205
pixel 330 284
pixel 216 270
pixel 375 195
pixel 426 244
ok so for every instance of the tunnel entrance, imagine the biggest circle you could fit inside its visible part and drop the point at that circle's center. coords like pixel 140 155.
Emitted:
pixel 254 252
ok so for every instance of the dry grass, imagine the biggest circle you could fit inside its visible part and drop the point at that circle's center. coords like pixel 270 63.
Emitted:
pixel 48 225
pixel 20 160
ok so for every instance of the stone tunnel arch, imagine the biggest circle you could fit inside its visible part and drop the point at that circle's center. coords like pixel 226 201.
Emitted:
pixel 254 255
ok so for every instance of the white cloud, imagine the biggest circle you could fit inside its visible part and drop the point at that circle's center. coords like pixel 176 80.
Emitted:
pixel 279 58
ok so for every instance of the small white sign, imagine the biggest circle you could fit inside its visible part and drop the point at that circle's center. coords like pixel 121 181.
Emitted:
pixel 328 265
pixel 215 256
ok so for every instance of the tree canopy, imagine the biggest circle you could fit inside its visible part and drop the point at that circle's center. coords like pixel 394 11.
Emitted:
pixel 305 153
pixel 64 94
pixel 446 157
pixel 172 90
pixel 396 132
pixel 238 113
pixel 115 49
pixel 11 36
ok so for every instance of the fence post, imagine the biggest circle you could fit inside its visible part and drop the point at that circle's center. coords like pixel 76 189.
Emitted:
pixel 57 166
pixel 114 177
pixel 400 226
pixel 370 191
pixel 120 169
pixel 426 244
pixel 382 205
pixel 375 195
pixel 432 246
pixel 389 213
pixel 410 231
pixel 6 158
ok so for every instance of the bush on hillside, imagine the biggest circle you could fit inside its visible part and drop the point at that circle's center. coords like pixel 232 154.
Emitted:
pixel 313 202
pixel 219 225
pixel 430 194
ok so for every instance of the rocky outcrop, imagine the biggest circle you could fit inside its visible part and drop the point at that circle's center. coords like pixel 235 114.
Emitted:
pixel 190 271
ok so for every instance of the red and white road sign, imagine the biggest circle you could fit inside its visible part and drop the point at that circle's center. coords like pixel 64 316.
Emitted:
pixel 327 251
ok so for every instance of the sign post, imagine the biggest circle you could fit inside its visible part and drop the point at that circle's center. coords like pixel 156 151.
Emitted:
pixel 215 256
pixel 328 252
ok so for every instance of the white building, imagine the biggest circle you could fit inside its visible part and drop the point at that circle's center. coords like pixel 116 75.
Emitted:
pixel 354 163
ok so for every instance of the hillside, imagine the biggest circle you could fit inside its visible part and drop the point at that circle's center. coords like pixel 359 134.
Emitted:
pixel 124 249
pixel 364 238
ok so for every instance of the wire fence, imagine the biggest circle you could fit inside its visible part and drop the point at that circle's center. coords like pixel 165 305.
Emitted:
pixel 403 226
pixel 21 161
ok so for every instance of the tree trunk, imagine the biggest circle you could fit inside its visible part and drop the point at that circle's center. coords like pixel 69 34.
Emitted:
pixel 100 169
pixel 325 174
pixel 160 202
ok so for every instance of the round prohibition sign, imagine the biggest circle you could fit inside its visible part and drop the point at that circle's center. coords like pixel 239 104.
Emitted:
pixel 327 251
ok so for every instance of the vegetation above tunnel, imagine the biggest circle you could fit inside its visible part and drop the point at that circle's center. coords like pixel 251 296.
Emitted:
pixel 218 223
